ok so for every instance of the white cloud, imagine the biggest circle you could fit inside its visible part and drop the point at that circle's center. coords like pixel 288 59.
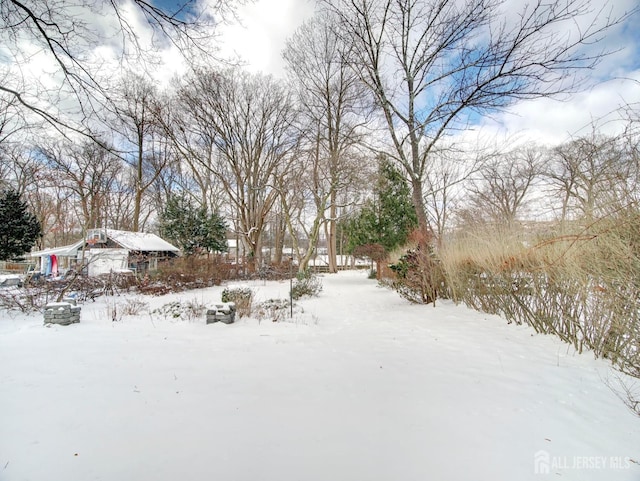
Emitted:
pixel 614 83
pixel 551 121
pixel 266 24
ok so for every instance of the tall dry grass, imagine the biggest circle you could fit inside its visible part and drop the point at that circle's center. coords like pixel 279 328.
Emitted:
pixel 580 282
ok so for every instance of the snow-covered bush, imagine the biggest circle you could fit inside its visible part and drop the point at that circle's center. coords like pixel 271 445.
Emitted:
pixel 133 307
pixel 187 311
pixel 242 296
pixel 22 299
pixel 306 284
pixel 273 310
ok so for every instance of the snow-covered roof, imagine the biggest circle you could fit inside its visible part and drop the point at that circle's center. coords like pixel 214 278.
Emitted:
pixel 64 251
pixel 139 241
pixel 133 241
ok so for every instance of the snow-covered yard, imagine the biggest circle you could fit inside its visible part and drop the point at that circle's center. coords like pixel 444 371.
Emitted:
pixel 361 386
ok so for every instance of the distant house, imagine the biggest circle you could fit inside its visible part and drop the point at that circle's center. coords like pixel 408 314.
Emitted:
pixel 107 250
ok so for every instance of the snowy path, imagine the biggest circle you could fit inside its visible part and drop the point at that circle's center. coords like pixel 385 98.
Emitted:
pixel 363 386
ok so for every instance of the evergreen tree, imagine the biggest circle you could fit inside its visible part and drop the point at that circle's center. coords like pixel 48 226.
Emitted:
pixel 191 228
pixel 19 228
pixel 389 217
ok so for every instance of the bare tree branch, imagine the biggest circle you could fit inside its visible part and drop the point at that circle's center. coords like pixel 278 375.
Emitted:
pixel 433 65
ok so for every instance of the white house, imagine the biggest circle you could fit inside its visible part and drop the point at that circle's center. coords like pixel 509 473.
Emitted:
pixel 107 250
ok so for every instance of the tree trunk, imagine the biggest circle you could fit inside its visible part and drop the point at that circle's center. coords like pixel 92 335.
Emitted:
pixel 278 240
pixel 424 229
pixel 331 235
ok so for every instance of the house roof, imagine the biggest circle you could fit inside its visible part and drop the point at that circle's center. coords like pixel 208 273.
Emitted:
pixel 63 251
pixel 139 241
pixel 133 241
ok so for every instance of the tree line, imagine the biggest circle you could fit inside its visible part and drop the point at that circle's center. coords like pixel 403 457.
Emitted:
pixel 373 88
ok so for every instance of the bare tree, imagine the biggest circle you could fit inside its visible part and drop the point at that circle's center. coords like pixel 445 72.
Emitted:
pixel 55 208
pixel 592 175
pixel 445 186
pixel 13 129
pixel 138 110
pixel 64 35
pixel 193 151
pixel 12 120
pixel 505 182
pixel 88 172
pixel 333 100
pixel 19 167
pixel 119 210
pixel 251 122
pixel 433 64
pixel 306 199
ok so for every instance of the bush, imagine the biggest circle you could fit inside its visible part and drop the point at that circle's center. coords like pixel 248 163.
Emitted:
pixel 35 295
pixel 190 272
pixel 24 299
pixel 242 297
pixel 306 285
pixel 580 283
pixel 419 277
pixel 190 310
pixel 274 310
pixel 134 307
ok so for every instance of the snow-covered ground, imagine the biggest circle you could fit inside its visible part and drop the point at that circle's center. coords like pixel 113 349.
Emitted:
pixel 361 386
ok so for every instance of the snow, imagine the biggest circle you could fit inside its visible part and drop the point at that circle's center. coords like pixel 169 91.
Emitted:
pixel 63 251
pixel 139 241
pixel 10 281
pixel 360 386
pixel 10 277
pixel 4 277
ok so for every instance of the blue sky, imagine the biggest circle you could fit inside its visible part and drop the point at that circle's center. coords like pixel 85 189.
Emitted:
pixel 266 24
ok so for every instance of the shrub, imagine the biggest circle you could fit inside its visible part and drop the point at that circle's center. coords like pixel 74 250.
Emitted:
pixel 190 310
pixel 172 310
pixel 23 299
pixel 306 285
pixel 242 297
pixel 190 272
pixel 274 309
pixel 575 281
pixel 418 277
pixel 133 307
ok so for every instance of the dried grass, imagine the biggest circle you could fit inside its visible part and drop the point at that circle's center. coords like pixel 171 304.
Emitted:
pixel 579 282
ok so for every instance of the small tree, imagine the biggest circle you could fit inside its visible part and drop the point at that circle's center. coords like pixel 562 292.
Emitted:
pixel 375 252
pixel 387 219
pixel 193 228
pixel 20 228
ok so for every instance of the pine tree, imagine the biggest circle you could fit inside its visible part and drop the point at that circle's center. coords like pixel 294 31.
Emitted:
pixel 19 228
pixel 389 217
pixel 193 229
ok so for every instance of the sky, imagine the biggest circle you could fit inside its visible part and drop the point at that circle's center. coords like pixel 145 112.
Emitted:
pixel 267 24
pixel 260 38
pixel 264 25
